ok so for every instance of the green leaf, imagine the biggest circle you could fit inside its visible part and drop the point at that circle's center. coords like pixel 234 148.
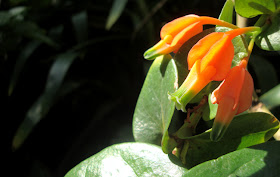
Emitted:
pixel 115 12
pixel 227 11
pixel 80 25
pixel 260 160
pixel 271 99
pixel 128 159
pixel 41 107
pixel 269 38
pixel 31 30
pixel 154 110
pixel 212 110
pixel 252 8
pixel 277 3
pixel 245 130
pixel 25 53
pixel 266 80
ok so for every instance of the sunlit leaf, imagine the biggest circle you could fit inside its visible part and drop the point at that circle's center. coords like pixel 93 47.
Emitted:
pixel 269 38
pixel 128 159
pixel 227 11
pixel 252 8
pixel 154 110
pixel 245 130
pixel 260 160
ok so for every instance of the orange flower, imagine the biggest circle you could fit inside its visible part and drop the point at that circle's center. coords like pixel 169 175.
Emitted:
pixel 209 59
pixel 175 33
pixel 234 96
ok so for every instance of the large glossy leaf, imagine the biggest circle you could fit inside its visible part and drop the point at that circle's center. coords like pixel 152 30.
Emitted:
pixel 260 160
pixel 252 8
pixel 128 159
pixel 154 110
pixel 244 131
pixel 42 105
pixel 269 38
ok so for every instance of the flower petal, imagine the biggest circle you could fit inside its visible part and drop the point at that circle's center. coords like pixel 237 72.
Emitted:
pixel 245 98
pixel 186 34
pixel 174 27
pixel 201 48
pixel 231 86
pixel 220 57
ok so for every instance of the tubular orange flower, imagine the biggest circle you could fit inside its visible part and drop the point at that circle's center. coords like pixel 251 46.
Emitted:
pixel 209 59
pixel 234 96
pixel 175 33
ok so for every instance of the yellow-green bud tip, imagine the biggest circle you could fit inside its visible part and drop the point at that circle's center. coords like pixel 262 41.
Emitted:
pixel 151 54
pixel 218 131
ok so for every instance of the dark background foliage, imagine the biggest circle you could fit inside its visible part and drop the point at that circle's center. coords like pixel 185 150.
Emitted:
pixel 94 105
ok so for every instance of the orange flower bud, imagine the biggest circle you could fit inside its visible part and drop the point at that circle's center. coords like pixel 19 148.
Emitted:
pixel 209 59
pixel 234 96
pixel 216 50
pixel 175 33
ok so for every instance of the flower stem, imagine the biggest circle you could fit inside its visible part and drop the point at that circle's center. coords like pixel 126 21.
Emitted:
pixel 214 21
pixel 237 32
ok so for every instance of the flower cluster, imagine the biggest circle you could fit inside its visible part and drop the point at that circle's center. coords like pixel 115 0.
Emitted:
pixel 209 60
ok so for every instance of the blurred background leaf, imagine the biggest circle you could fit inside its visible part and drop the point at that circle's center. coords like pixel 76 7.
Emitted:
pixel 266 76
pixel 271 98
pixel 22 59
pixel 41 107
pixel 115 12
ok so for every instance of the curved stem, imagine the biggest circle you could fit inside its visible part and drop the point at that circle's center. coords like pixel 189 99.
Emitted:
pixel 214 21
pixel 237 32
pixel 250 49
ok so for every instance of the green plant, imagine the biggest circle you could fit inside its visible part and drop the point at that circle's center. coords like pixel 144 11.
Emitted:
pixel 239 146
pixel 71 72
